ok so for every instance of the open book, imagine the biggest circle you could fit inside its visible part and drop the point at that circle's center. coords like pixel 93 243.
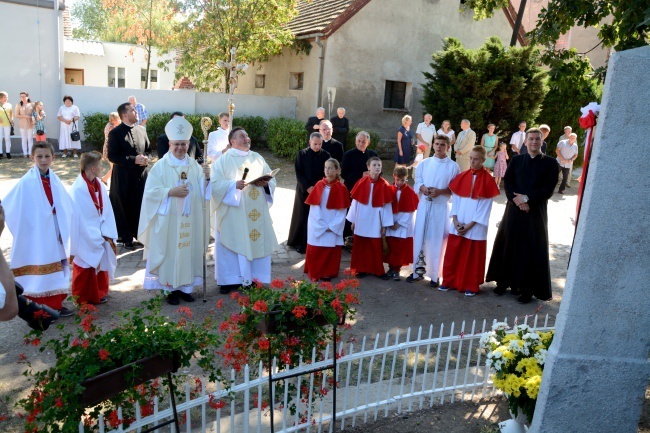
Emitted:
pixel 265 177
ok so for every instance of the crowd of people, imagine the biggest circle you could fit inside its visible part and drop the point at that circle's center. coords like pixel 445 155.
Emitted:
pixel 438 228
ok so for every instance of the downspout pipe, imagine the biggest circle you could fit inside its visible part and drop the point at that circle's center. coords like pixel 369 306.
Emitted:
pixel 321 64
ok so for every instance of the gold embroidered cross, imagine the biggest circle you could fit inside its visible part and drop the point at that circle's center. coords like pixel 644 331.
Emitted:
pixel 253 193
pixel 254 235
pixel 254 215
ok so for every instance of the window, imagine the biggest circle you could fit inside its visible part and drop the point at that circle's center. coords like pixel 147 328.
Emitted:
pixel 295 82
pixel 395 95
pixel 259 81
pixel 116 77
pixel 153 79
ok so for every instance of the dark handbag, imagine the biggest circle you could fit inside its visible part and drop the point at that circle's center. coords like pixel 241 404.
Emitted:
pixel 10 122
pixel 74 135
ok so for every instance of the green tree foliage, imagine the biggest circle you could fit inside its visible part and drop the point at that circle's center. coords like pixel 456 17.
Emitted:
pixel 256 28
pixel 145 23
pixel 492 84
pixel 571 85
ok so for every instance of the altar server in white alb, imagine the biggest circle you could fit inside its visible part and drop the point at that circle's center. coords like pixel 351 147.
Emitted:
pixel 38 212
pixel 245 237
pixel 172 219
pixel 432 178
pixel 93 234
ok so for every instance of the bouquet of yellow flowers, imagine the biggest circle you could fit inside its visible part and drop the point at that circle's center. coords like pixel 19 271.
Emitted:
pixel 517 360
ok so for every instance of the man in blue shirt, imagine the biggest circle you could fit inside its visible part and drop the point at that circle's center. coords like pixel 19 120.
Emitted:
pixel 141 110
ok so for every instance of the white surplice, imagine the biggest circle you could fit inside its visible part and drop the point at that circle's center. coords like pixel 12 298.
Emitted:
pixel 369 220
pixel 89 229
pixel 471 209
pixel 325 226
pixel 405 221
pixel 437 173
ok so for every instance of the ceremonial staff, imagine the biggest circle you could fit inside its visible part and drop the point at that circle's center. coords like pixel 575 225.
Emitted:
pixel 234 68
pixel 206 124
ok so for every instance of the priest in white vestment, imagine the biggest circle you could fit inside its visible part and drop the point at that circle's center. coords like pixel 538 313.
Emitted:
pixel 244 231
pixel 173 218
pixel 432 178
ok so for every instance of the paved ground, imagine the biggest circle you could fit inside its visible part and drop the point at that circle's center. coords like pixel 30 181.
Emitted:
pixel 387 305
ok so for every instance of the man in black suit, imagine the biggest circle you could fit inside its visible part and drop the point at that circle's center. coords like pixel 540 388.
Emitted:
pixel 331 145
pixel 194 151
pixel 341 126
pixel 313 123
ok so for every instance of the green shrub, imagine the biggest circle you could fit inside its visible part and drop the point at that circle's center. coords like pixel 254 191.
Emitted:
pixel 352 137
pixel 286 136
pixel 255 126
pixel 93 125
pixel 156 127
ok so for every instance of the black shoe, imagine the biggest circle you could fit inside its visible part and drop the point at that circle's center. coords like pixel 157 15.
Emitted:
pixel 65 312
pixel 225 289
pixel 184 296
pixel 500 291
pixel 8 155
pixel 560 192
pixel 129 246
pixel 525 299
pixel 172 299
pixel 413 278
pixel 433 283
pixel 1 155
pixel 362 274
pixel 384 277
pixel 300 250
pixel 138 244
pixel 515 292
pixel 326 279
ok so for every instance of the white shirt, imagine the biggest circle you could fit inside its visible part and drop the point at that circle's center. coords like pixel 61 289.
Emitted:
pixel 426 132
pixel 567 151
pixel 217 142
pixel 518 139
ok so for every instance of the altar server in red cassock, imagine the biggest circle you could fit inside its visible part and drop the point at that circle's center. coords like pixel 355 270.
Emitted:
pixel 472 194
pixel 38 212
pixel 93 234
pixel 328 201
pixel 371 213
pixel 400 235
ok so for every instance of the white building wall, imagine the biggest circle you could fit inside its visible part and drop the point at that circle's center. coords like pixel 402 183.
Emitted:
pixel 128 56
pixel 31 59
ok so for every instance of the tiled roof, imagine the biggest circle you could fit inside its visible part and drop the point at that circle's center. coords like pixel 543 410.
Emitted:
pixel 323 16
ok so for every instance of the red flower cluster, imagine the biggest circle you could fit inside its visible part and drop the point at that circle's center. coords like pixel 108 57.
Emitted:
pixel 216 404
pixel 103 354
pixel 299 311
pixel 260 306
pixel 185 311
pixel 264 343
pixel 277 284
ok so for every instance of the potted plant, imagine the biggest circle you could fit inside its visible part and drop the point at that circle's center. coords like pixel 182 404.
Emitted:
pixel 141 342
pixel 516 360
pixel 288 320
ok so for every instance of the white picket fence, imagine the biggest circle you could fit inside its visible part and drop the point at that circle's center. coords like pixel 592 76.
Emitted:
pixel 411 373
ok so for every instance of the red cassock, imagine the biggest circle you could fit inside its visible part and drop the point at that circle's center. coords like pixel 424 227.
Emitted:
pixel 464 263
pixel 325 262
pixel 401 249
pixel 367 256
pixel 88 286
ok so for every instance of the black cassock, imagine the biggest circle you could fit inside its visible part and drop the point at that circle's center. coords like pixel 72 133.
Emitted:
pixel 341 127
pixel 520 254
pixel 162 147
pixel 309 126
pixel 128 178
pixel 310 168
pixel 334 148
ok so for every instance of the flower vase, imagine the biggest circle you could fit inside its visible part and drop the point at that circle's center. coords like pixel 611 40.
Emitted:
pixel 515 425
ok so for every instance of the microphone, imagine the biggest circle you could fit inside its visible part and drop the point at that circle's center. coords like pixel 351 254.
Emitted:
pixel 245 173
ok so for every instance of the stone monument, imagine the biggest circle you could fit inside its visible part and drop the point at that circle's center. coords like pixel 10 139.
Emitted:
pixel 597 368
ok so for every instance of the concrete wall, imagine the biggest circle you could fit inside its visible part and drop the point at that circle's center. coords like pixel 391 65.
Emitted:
pixel 105 100
pixel 127 56
pixel 31 57
pixel 381 42
pixel 277 77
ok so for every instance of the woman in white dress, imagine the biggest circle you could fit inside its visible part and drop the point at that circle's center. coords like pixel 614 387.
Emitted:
pixel 446 130
pixel 68 115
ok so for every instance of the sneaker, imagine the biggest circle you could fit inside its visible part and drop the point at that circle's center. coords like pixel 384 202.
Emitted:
pixel 103 300
pixel 65 312
pixel 413 278
pixel 184 296
pixel 75 156
pixel 442 288
pixel 469 294
pixel 396 276
pixel 172 299
pixel 65 155
pixel 434 284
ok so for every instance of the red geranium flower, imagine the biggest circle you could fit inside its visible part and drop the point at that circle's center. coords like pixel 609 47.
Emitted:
pixel 260 306
pixel 103 354
pixel 277 284
pixel 299 311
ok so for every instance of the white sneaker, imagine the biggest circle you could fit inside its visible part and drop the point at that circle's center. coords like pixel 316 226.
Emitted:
pixel 470 294
pixel 76 156
pixel 64 156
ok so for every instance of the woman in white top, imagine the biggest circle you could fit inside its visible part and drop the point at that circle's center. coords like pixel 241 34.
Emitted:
pixel 68 115
pixel 446 130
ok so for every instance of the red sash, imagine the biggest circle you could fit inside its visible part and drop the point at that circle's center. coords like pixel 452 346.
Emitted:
pixel 95 193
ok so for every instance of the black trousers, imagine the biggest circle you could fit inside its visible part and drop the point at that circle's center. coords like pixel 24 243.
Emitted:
pixel 565 176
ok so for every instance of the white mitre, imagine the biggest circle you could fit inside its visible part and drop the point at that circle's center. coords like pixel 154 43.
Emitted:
pixel 178 129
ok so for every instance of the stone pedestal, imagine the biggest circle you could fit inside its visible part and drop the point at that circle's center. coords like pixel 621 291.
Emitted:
pixel 597 369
